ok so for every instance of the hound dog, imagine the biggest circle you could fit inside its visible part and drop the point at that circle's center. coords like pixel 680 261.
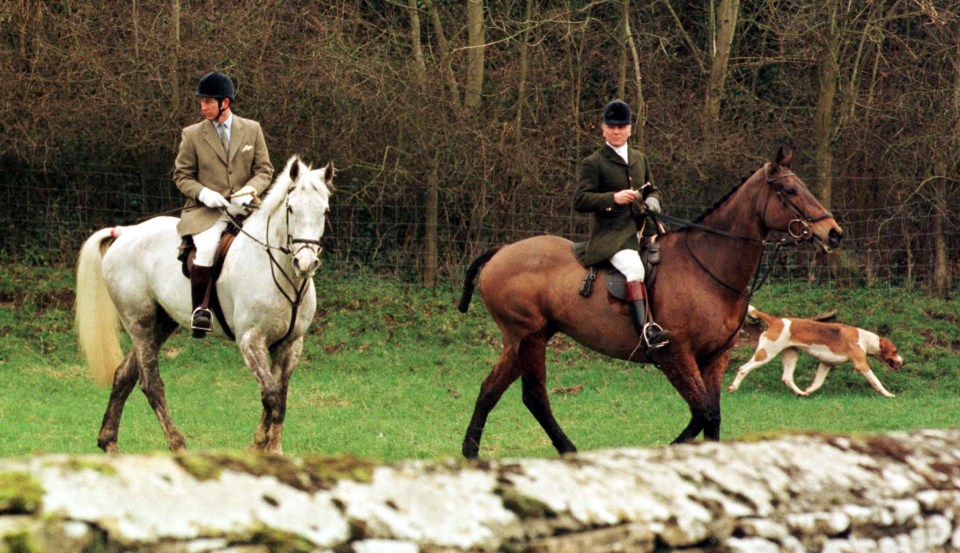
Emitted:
pixel 830 343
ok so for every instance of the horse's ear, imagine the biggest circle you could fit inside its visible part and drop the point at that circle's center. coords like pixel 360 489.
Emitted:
pixel 328 173
pixel 784 157
pixel 294 169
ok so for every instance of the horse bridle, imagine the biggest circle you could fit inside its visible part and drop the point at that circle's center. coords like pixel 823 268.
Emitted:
pixel 293 241
pixel 802 220
pixel 288 249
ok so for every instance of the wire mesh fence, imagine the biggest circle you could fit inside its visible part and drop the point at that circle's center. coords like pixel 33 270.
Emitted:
pixel 46 217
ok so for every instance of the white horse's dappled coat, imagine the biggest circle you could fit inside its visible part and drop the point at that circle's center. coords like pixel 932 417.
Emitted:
pixel 133 273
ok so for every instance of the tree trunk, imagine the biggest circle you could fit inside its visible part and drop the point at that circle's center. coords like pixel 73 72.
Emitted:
pixel 824 128
pixel 475 52
pixel 430 208
pixel 175 58
pixel 721 44
pixel 444 48
pixel 416 47
pixel 941 272
pixel 524 71
pixel 430 197
pixel 946 164
pixel 639 106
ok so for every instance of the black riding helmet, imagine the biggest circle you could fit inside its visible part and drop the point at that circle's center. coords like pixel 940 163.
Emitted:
pixel 216 85
pixel 617 113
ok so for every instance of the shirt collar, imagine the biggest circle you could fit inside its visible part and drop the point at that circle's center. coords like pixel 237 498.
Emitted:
pixel 621 151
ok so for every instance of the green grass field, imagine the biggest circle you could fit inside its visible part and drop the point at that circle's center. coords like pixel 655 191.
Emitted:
pixel 391 372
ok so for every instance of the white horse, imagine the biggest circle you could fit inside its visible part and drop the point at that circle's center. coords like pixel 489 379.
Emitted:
pixel 266 291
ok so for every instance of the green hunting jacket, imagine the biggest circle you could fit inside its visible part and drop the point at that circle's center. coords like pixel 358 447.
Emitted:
pixel 613 227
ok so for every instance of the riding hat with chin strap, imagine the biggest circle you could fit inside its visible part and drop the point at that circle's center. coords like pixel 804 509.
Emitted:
pixel 216 85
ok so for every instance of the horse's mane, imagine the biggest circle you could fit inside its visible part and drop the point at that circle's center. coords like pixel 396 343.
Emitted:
pixel 721 201
pixel 276 193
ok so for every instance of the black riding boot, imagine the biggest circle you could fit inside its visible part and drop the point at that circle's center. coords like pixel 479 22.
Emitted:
pixel 202 320
pixel 653 335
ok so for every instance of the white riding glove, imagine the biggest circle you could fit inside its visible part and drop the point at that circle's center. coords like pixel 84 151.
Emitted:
pixel 653 204
pixel 211 198
pixel 246 195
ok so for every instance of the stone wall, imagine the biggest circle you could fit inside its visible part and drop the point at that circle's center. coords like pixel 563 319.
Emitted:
pixel 890 492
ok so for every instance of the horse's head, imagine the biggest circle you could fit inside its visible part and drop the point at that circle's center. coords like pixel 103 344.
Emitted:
pixel 306 201
pixel 791 207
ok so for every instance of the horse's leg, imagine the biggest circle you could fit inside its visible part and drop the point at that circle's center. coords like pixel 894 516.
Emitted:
pixel 254 353
pixel 682 371
pixel 504 373
pixel 148 335
pixel 713 380
pixel 124 378
pixel 270 429
pixel 533 371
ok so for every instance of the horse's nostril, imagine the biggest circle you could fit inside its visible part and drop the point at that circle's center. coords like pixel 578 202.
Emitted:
pixel 835 237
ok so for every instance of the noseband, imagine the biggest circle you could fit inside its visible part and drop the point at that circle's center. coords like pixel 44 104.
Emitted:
pixel 798 228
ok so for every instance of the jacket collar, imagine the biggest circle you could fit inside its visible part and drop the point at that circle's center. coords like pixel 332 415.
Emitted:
pixel 613 156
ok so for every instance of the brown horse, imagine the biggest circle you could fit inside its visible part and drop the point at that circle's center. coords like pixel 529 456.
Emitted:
pixel 699 293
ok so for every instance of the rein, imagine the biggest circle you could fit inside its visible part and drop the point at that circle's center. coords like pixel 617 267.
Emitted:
pixel 759 276
pixel 297 298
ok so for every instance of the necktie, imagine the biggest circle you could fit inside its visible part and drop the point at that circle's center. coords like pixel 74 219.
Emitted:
pixel 223 138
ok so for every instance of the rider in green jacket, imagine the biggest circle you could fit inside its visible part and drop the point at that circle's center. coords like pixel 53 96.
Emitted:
pixel 616 187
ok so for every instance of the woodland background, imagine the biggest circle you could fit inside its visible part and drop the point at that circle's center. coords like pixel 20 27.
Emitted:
pixel 459 124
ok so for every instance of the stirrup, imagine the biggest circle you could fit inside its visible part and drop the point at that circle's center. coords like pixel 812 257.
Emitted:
pixel 201 320
pixel 658 331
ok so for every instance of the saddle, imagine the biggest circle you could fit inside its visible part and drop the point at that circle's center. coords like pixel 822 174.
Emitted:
pixel 614 280
pixel 188 251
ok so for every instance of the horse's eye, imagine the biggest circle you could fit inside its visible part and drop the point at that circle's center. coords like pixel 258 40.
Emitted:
pixel 791 191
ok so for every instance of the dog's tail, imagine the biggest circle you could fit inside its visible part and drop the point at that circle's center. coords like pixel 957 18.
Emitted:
pixel 755 314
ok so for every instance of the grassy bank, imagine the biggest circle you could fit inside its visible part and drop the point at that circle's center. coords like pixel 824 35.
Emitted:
pixel 391 372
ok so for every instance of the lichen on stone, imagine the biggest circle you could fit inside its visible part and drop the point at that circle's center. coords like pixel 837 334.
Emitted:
pixel 19 493
pixel 19 542
pixel 308 473
pixel 523 506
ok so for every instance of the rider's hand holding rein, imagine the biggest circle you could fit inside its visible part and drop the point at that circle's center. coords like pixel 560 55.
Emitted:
pixel 626 196
pixel 212 199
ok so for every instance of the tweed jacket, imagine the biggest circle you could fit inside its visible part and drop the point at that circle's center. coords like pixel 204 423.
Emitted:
pixel 201 162
pixel 613 227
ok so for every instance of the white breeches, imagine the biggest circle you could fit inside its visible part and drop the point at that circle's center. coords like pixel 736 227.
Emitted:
pixel 208 240
pixel 628 262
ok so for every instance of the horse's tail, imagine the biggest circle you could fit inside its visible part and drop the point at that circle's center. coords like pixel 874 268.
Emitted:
pixel 97 321
pixel 471 276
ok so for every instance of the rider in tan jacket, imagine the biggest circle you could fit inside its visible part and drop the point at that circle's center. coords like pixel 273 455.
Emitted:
pixel 224 156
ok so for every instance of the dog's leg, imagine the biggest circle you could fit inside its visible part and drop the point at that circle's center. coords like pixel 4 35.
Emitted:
pixel 760 357
pixel 822 371
pixel 789 357
pixel 864 369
